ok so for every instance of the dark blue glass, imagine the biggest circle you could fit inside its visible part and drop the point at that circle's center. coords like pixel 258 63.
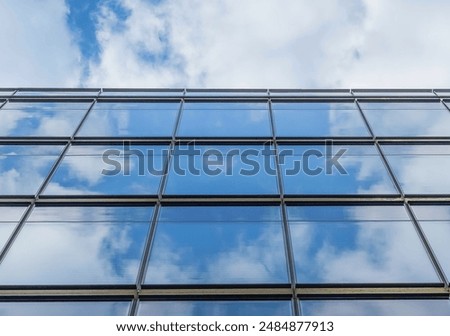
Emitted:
pixel 131 120
pixel 107 170
pixel 334 169
pixel 318 120
pixel 225 120
pixel 218 245
pixel 222 170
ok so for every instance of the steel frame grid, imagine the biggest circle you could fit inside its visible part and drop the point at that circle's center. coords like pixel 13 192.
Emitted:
pixel 145 292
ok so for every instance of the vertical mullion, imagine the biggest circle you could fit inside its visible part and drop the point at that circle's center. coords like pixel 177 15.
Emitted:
pixel 286 232
pixel 152 231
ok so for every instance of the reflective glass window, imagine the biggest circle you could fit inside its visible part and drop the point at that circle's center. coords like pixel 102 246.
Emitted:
pixel 108 170
pixel 306 93
pixel 375 307
pixel 131 120
pixel 420 168
pixel 225 93
pixel 407 119
pixel 435 222
pixel 357 244
pixel 66 308
pixel 78 245
pixel 334 169
pixel 222 170
pixel 394 93
pixel 9 218
pixel 318 120
pixel 224 119
pixel 141 93
pixel 62 93
pixel 215 308
pixel 218 245
pixel 24 168
pixel 41 118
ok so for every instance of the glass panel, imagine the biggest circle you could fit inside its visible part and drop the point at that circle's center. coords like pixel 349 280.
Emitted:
pixel 72 308
pixel 217 245
pixel 318 119
pixel 435 222
pixel 41 119
pixel 225 119
pixel 225 93
pixel 222 170
pixel 420 168
pixel 66 93
pixel 215 308
pixel 131 119
pixel 9 218
pixel 398 93
pixel 82 245
pixel 304 93
pixel 376 307
pixel 6 93
pixel 408 119
pixel 332 169
pixel 109 170
pixel 141 93
pixel 24 168
pixel 357 244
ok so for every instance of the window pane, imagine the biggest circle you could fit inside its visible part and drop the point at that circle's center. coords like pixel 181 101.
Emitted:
pixel 6 93
pixel 131 119
pixel 225 119
pixel 304 93
pixel 225 93
pixel 344 169
pixel 217 245
pixel 222 170
pixel 318 119
pixel 420 168
pixel 408 119
pixel 67 308
pixel 41 119
pixel 140 93
pixel 376 307
pixel 357 244
pixel 24 168
pixel 435 222
pixel 215 308
pixel 9 218
pixel 66 93
pixel 82 245
pixel 394 93
pixel 109 170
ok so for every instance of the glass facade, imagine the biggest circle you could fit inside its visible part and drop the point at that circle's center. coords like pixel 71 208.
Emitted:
pixel 224 202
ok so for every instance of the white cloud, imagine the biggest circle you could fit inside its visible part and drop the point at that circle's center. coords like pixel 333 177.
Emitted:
pixel 37 45
pixel 289 43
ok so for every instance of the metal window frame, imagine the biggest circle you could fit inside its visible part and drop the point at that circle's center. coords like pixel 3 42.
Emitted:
pixel 292 291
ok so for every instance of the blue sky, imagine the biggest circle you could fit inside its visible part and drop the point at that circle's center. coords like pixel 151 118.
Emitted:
pixel 220 43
